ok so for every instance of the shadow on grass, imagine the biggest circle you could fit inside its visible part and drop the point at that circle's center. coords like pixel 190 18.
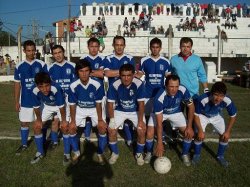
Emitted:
pixel 88 172
pixel 210 151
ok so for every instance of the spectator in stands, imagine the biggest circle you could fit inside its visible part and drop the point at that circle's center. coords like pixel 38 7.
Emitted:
pixel 193 24
pixel 106 8
pixel 223 35
pixel 132 30
pixel 94 4
pixel 153 30
pixel 104 31
pixel 1 61
pixel 136 8
pixel 228 12
pixel 7 62
pixel 234 24
pixel 227 23
pixel 144 8
pixel 201 25
pixel 154 9
pixel 102 44
pixel 88 31
pixel 161 30
pixel 101 12
pixel 130 9
pixel 170 32
pixel 103 22
pixel 180 25
pixel 122 8
pixel 79 25
pixel 119 32
pixel 181 8
pixel 145 22
pixel 38 55
pixel 125 22
pixel 244 10
pixel 133 22
pixel 84 8
pixel 126 32
pixel 168 10
pixel 186 24
pixel 188 10
pixel 150 8
pixel 158 9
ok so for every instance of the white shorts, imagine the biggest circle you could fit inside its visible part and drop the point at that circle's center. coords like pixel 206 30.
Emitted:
pixel 49 112
pixel 104 102
pixel 67 109
pixel 120 117
pixel 176 120
pixel 149 103
pixel 26 114
pixel 83 113
pixel 217 122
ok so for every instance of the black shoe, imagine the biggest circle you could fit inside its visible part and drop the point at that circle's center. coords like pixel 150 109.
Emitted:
pixel 66 160
pixel 37 158
pixel 21 149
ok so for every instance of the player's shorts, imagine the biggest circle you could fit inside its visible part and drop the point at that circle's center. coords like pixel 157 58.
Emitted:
pixel 83 113
pixel 50 112
pixel 26 114
pixel 176 120
pixel 67 108
pixel 149 103
pixel 120 117
pixel 217 122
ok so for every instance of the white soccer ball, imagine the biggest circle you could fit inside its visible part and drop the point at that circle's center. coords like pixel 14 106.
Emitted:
pixel 162 165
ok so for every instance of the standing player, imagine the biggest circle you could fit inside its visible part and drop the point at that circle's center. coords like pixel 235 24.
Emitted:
pixel 167 106
pixel 85 100
pixel 97 73
pixel 155 68
pixel 25 72
pixel 52 97
pixel 127 93
pixel 208 110
pixel 112 64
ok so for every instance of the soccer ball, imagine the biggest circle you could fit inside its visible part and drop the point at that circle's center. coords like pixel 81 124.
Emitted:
pixel 162 165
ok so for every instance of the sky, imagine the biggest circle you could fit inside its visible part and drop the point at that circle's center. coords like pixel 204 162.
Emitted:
pixel 14 13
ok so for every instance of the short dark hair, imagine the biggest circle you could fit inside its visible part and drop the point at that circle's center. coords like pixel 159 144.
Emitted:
pixel 56 47
pixel 93 40
pixel 155 41
pixel 219 87
pixel 82 63
pixel 171 77
pixel 28 43
pixel 119 38
pixel 127 67
pixel 186 40
pixel 42 77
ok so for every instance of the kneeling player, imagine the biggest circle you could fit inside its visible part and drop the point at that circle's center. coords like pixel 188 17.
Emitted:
pixel 51 95
pixel 208 110
pixel 167 106
pixel 85 99
pixel 128 95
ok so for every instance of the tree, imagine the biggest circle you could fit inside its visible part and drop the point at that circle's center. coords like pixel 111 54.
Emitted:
pixel 7 39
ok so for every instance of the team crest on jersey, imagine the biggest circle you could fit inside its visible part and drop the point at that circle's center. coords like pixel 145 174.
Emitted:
pixel 37 70
pixel 177 101
pixel 68 71
pixel 91 95
pixel 131 92
pixel 97 65
pixel 51 98
pixel 125 62
pixel 161 67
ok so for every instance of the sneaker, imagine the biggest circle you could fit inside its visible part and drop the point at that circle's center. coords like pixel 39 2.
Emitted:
pixel 113 158
pixel 21 149
pixel 37 158
pixel 100 159
pixel 66 160
pixel 75 158
pixel 186 160
pixel 196 159
pixel 147 158
pixel 139 159
pixel 222 161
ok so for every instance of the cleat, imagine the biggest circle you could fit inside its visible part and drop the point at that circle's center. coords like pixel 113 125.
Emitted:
pixel 100 159
pixel 21 149
pixel 186 160
pixel 196 159
pixel 66 160
pixel 222 161
pixel 37 158
pixel 75 158
pixel 113 158
pixel 139 159
pixel 147 158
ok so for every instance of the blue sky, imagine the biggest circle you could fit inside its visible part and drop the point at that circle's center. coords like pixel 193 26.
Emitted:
pixel 21 12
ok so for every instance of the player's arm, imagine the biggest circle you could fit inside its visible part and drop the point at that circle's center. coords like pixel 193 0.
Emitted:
pixel 72 124
pixel 201 134
pixel 38 122
pixel 189 133
pixel 227 133
pixel 63 114
pixel 17 90
pixel 111 73
pixel 159 150
pixel 205 87
pixel 139 74
pixel 97 73
pixel 141 107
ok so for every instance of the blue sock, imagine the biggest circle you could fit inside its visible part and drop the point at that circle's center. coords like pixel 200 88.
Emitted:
pixel 66 144
pixel 39 143
pixel 197 148
pixel 102 142
pixel 186 144
pixel 44 132
pixel 54 137
pixel 139 148
pixel 149 145
pixel 87 130
pixel 114 147
pixel 127 131
pixel 221 149
pixel 24 135
pixel 74 142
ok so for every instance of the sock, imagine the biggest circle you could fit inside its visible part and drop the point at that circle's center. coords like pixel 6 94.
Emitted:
pixel 221 149
pixel 186 144
pixel 24 135
pixel 149 145
pixel 87 130
pixel 102 142
pixel 39 143
pixel 197 148
pixel 74 142
pixel 44 132
pixel 114 147
pixel 139 148
pixel 66 144
pixel 128 134
pixel 54 137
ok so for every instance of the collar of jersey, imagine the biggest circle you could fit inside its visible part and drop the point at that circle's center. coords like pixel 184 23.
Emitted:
pixel 155 59
pixel 85 86
pixel 93 57
pixel 61 64
pixel 30 62
pixel 119 58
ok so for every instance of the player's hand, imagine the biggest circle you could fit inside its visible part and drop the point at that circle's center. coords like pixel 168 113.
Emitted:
pixel 38 124
pixel 141 125
pixel 102 126
pixel 63 124
pixel 201 135
pixel 17 107
pixel 112 124
pixel 189 133
pixel 225 136
pixel 159 150
pixel 72 127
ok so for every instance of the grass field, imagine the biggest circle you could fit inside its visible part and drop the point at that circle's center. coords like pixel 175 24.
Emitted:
pixel 17 171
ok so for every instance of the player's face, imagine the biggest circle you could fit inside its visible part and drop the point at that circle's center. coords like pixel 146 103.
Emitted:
pixel 186 49
pixel 93 48
pixel 58 54
pixel 155 50
pixel 30 52
pixel 217 98
pixel 84 75
pixel 44 88
pixel 126 77
pixel 172 87
pixel 119 47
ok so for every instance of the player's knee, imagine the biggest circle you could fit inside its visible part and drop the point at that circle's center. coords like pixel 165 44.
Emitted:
pixel 112 132
pixel 37 129
pixel 102 129
pixel 150 132
pixel 72 130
